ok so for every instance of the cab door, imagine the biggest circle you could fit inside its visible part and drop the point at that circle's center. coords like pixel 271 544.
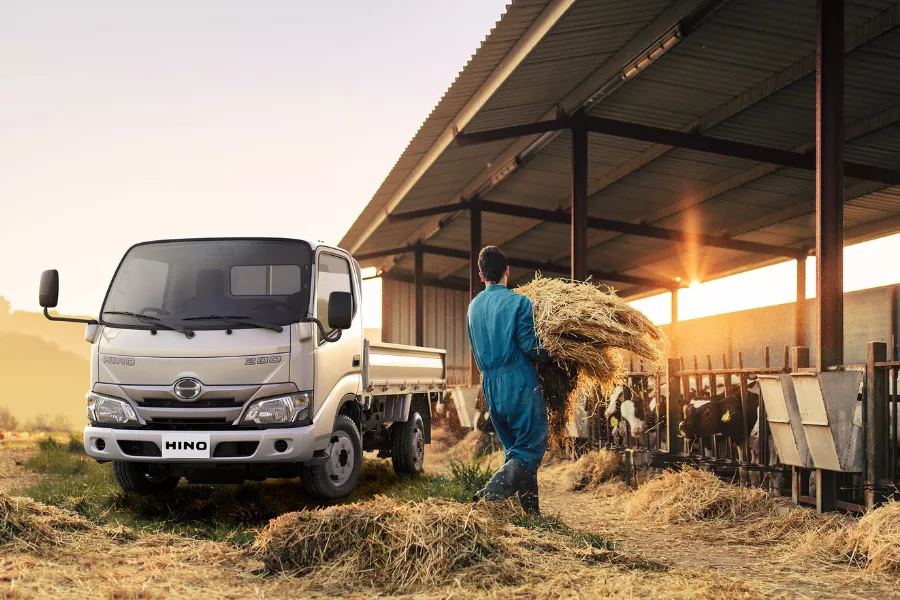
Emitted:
pixel 337 363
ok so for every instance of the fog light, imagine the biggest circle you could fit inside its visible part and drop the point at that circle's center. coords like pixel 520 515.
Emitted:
pixel 280 446
pixel 100 445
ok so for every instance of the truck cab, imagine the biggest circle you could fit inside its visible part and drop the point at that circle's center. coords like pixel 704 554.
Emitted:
pixel 228 359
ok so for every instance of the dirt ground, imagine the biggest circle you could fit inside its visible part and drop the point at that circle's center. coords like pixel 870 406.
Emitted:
pixel 768 569
pixel 694 561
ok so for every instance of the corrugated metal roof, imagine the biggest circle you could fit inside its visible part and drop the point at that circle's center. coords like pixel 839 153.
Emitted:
pixel 745 74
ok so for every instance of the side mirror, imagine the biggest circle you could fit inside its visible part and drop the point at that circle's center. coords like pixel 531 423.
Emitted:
pixel 340 310
pixel 49 292
pixel 91 332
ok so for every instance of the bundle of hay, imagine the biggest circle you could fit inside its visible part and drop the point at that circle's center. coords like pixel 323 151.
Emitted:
pixel 584 328
pixel 387 543
pixel 875 539
pixel 872 543
pixel 690 495
pixel 593 469
pixel 24 521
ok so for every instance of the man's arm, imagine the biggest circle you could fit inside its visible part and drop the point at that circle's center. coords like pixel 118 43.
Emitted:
pixel 526 337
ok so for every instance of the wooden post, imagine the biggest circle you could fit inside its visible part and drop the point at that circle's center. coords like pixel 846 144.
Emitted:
pixel 674 410
pixel 874 428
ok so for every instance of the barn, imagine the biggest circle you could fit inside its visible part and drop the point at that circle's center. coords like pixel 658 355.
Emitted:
pixel 648 144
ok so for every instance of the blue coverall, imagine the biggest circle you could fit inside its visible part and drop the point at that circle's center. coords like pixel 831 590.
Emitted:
pixel 501 331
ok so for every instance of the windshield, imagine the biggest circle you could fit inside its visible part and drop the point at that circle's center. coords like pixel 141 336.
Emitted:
pixel 210 284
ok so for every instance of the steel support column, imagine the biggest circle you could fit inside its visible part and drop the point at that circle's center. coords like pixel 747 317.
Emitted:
pixel 579 203
pixel 829 184
pixel 800 307
pixel 419 278
pixel 474 281
pixel 829 206
pixel 673 339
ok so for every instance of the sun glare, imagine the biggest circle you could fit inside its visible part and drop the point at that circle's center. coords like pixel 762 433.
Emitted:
pixel 864 267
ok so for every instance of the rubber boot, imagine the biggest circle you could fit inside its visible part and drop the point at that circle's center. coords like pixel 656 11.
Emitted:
pixel 506 483
pixel 528 495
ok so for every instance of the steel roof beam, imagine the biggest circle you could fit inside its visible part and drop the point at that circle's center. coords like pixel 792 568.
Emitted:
pixel 561 217
pixel 534 265
pixel 451 283
pixel 680 139
pixel 662 233
pixel 412 215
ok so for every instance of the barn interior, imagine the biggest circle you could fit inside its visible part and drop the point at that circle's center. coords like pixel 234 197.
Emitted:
pixel 647 145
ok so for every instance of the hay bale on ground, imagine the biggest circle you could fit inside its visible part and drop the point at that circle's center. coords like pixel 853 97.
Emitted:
pixel 387 543
pixel 24 521
pixel 872 542
pixel 691 495
pixel 593 469
pixel 875 539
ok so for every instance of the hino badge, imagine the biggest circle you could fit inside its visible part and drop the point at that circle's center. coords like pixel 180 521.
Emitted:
pixel 223 360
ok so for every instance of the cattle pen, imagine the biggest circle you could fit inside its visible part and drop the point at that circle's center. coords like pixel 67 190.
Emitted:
pixel 647 145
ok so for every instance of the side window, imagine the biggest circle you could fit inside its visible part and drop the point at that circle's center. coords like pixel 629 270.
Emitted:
pixel 333 276
pixel 265 280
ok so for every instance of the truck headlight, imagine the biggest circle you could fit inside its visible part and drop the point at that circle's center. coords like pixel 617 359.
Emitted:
pixel 280 409
pixel 103 409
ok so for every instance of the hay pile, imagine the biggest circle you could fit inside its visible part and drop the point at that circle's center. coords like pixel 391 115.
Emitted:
pixel 388 543
pixel 691 495
pixel 26 522
pixel 872 542
pixel 593 469
pixel 584 328
pixel 390 546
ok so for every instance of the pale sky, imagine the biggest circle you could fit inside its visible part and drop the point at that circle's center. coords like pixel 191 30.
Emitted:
pixel 126 121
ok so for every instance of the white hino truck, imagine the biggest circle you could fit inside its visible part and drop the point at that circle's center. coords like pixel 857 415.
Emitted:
pixel 233 359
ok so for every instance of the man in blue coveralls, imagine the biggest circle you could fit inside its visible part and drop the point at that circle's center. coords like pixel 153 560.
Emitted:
pixel 501 331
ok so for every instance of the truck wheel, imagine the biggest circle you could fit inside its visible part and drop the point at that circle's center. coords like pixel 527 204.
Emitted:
pixel 408 445
pixel 143 478
pixel 338 476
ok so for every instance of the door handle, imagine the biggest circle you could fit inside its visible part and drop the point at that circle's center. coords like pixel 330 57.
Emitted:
pixel 356 360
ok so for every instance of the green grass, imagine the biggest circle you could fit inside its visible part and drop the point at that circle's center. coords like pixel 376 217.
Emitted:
pixel 231 513
pixel 459 485
pixel 235 513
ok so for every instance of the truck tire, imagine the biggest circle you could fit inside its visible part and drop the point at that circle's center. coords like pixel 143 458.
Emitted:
pixel 338 476
pixel 137 478
pixel 408 445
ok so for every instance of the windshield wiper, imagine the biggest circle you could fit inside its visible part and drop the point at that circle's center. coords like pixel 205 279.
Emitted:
pixel 237 320
pixel 151 320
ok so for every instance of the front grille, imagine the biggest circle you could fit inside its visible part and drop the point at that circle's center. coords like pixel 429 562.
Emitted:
pixel 136 448
pixel 173 424
pixel 202 403
pixel 235 449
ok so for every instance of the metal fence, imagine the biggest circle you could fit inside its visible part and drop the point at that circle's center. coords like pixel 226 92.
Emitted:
pixel 869 453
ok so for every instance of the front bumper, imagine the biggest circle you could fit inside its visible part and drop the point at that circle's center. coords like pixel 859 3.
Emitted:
pixel 300 445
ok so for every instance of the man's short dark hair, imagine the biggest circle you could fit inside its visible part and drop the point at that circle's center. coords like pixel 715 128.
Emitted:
pixel 492 264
